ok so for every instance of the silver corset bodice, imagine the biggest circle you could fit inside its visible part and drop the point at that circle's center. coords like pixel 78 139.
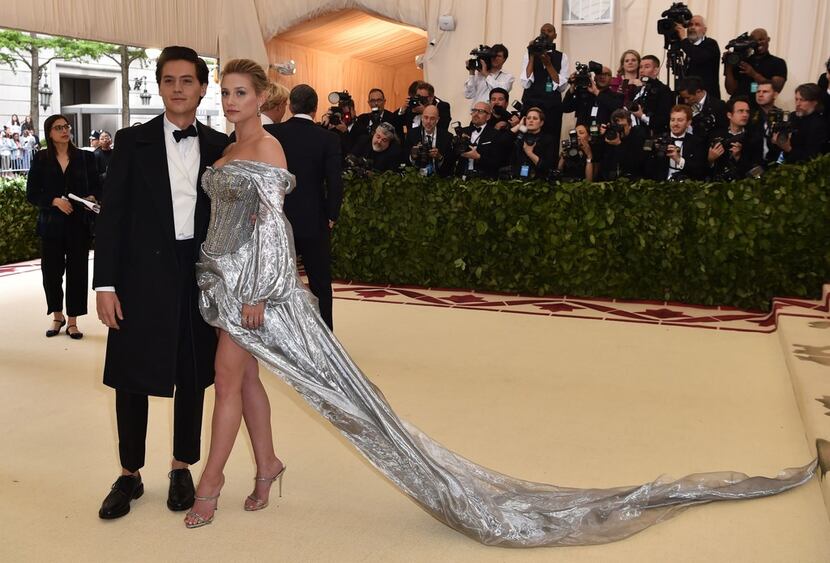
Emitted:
pixel 235 201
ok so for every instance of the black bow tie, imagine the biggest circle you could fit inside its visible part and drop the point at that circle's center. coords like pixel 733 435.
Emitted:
pixel 184 133
pixel 682 138
pixel 478 129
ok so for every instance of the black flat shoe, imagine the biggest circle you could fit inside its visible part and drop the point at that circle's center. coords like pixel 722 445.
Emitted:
pixel 52 332
pixel 182 493
pixel 77 335
pixel 125 489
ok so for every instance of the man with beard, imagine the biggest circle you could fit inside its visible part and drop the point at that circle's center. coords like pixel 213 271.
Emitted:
pixel 809 127
pixel 702 55
pixel 382 149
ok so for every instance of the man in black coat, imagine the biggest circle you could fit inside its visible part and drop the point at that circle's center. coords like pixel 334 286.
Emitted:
pixel 429 148
pixel 154 217
pixel 653 101
pixel 364 125
pixel 708 112
pixel 702 55
pixel 382 150
pixel 313 156
pixel 810 133
pixel 737 150
pixel 424 96
pixel 489 148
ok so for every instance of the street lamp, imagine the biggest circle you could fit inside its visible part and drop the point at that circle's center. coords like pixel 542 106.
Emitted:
pixel 145 95
pixel 45 95
pixel 287 68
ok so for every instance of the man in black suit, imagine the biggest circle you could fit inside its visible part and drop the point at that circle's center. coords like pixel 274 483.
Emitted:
pixel 702 55
pixel 429 148
pixel 686 154
pixel 708 112
pixel 737 150
pixel 153 219
pixel 489 148
pixel 365 123
pixel 653 101
pixel 810 133
pixel 425 96
pixel 313 156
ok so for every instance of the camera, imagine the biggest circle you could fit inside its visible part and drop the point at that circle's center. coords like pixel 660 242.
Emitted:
pixel 482 53
pixel 341 109
pixel 678 13
pixel 500 114
pixel 780 122
pixel 461 140
pixel 421 157
pixel 415 101
pixel 727 141
pixel 704 122
pixel 658 146
pixel 582 79
pixel 518 108
pixel 357 166
pixel 739 49
pixel 614 131
pixel 541 44
pixel 571 149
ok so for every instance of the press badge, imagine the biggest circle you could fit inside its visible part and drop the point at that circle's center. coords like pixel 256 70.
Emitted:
pixel 594 111
pixel 525 171
pixel 753 87
pixel 549 85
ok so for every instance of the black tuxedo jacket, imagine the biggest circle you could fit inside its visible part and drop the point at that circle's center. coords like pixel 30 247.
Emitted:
pixel 444 117
pixel 443 144
pixel 313 156
pixel 366 122
pixel 714 107
pixel 695 152
pixel 494 147
pixel 135 252
pixel 657 106
pixel 809 138
pixel 752 151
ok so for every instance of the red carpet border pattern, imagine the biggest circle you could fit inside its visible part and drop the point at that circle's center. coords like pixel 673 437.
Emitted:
pixel 650 312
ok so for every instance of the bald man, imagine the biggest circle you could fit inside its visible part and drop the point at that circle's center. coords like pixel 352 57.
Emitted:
pixel 702 55
pixel 762 66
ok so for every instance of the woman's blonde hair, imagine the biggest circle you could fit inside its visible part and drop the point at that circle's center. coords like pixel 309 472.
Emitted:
pixel 252 68
pixel 621 70
pixel 277 95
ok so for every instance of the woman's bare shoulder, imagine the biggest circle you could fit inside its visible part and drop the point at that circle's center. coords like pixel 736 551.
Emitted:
pixel 269 150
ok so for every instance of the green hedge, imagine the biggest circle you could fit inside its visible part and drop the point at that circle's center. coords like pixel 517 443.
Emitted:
pixel 737 244
pixel 17 222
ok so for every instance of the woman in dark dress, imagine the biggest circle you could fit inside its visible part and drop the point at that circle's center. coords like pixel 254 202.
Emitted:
pixel 64 225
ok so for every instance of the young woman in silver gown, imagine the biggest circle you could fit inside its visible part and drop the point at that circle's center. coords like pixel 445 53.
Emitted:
pixel 246 262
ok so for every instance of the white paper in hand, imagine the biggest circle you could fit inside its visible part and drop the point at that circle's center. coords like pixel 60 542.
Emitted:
pixel 90 205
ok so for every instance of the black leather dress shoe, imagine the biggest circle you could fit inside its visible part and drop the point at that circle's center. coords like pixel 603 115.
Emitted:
pixel 117 503
pixel 182 493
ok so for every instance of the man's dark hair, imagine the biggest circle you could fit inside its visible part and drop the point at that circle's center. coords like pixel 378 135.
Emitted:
pixel 690 84
pixel 620 113
pixel 809 91
pixel 302 99
pixel 652 58
pixel 377 90
pixel 426 86
pixel 499 48
pixel 730 105
pixel 500 91
pixel 177 53
pixel 413 87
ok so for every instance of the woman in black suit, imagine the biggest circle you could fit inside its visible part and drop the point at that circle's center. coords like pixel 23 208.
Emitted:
pixel 63 225
pixel 535 152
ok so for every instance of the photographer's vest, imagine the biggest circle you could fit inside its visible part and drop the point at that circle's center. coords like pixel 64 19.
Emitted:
pixel 543 91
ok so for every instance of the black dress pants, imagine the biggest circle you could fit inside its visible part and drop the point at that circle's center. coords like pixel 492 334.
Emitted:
pixel 68 253
pixel 316 253
pixel 131 409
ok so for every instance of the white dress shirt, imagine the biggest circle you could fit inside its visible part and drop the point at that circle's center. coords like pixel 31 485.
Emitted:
pixel 183 168
pixel 675 167
pixel 477 88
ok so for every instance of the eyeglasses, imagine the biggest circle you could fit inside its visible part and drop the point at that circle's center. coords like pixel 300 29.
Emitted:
pixel 478 110
pixel 66 127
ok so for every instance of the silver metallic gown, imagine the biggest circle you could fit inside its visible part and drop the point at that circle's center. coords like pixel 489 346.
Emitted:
pixel 248 257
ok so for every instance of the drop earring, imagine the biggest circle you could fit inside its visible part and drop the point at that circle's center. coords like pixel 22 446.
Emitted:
pixel 258 111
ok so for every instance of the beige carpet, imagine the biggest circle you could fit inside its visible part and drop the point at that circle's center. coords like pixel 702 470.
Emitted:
pixel 568 401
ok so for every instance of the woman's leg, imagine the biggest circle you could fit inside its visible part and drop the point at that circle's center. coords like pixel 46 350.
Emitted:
pixel 227 416
pixel 257 411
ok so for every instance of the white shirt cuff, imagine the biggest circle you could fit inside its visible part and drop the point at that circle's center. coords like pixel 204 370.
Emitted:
pixel 107 288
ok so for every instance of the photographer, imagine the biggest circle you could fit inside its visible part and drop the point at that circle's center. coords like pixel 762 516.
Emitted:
pixel 502 117
pixel 736 150
pixel 653 101
pixel 702 55
pixel 576 159
pixel 765 118
pixel 743 78
pixel 592 99
pixel 533 149
pixel 366 122
pixel 622 155
pixel 339 119
pixel 487 73
pixel 809 127
pixel 708 112
pixel 382 150
pixel 430 148
pixel 544 77
pixel 824 85
pixel 481 149
pixel 424 96
pixel 679 155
